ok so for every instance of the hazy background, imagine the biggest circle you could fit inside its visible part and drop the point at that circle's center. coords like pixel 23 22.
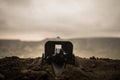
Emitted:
pixel 92 25
pixel 38 19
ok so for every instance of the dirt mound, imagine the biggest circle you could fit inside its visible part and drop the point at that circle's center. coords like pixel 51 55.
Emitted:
pixel 15 68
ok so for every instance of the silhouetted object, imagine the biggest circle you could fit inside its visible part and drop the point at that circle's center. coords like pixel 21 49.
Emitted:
pixel 64 52
pixel 58 54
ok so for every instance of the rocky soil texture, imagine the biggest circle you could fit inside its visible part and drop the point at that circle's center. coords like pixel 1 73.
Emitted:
pixel 15 68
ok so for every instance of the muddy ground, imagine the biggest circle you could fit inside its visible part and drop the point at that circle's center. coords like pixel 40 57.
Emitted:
pixel 15 68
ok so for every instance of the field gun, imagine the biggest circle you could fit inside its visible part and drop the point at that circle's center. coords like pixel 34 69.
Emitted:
pixel 58 54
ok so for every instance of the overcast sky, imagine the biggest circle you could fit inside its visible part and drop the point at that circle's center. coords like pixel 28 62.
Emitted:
pixel 38 19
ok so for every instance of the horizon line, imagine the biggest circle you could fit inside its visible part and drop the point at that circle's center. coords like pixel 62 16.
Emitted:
pixel 52 37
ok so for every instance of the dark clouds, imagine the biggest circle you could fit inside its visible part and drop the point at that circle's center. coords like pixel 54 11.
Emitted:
pixel 67 18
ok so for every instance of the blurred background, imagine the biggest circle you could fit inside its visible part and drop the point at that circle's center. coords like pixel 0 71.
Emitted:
pixel 92 25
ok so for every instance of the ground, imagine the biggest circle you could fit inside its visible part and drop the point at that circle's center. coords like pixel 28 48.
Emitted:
pixel 15 68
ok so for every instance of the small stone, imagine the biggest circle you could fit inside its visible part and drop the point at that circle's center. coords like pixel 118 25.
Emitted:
pixel 93 66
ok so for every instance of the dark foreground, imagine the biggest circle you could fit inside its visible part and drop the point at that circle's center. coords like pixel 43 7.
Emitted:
pixel 14 68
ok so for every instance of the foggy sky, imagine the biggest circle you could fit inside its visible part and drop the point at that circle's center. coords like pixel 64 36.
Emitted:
pixel 38 19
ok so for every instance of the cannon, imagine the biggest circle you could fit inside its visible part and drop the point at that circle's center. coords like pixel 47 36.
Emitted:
pixel 58 54
pixel 58 51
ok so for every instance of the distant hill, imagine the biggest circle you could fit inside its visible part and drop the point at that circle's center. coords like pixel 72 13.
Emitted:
pixel 20 48
pixel 101 47
pixel 84 47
